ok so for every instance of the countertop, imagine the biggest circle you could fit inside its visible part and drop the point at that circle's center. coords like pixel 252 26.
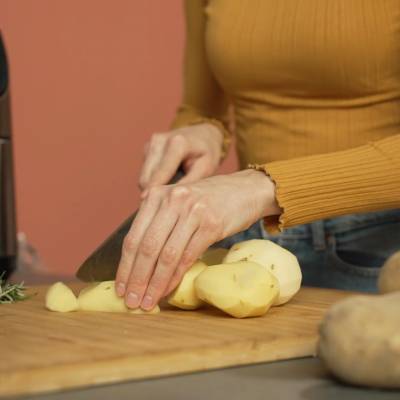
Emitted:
pixel 304 379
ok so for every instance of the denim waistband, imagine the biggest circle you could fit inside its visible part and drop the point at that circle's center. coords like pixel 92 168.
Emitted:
pixel 319 230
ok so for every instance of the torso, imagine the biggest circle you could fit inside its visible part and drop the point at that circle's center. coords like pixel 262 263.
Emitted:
pixel 306 76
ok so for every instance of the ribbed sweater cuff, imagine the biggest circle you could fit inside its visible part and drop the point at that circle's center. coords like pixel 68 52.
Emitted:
pixel 363 179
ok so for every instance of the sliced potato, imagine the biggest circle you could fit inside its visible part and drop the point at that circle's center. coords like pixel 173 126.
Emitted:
pixel 241 289
pixel 277 260
pixel 184 296
pixel 59 297
pixel 155 310
pixel 214 256
pixel 101 296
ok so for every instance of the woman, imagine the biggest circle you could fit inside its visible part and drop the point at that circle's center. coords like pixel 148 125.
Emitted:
pixel 314 88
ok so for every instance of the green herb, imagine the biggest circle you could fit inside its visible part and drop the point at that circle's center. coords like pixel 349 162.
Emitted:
pixel 9 293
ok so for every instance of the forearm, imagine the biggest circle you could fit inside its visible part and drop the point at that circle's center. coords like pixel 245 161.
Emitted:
pixel 362 179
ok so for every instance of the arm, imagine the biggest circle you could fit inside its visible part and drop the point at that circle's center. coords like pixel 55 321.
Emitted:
pixel 199 138
pixel 203 99
pixel 362 179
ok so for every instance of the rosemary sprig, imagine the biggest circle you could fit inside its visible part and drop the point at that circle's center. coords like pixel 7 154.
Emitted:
pixel 9 293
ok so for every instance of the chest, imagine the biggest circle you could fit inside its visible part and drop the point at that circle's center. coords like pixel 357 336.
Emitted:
pixel 325 48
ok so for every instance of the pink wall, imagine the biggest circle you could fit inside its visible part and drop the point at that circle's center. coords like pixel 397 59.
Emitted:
pixel 91 80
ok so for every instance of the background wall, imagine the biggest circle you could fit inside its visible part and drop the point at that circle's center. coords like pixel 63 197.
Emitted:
pixel 91 80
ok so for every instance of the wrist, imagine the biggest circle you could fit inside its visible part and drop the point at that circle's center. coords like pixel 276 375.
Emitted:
pixel 266 193
pixel 214 132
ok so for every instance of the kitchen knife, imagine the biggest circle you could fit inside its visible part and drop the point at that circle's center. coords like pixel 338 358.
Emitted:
pixel 102 264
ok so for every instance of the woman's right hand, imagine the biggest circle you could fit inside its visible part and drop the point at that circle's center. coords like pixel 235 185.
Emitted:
pixel 197 147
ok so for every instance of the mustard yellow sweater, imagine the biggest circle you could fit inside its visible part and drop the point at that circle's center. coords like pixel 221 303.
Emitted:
pixel 314 86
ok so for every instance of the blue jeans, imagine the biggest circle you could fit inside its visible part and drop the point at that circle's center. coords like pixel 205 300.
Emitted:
pixel 343 253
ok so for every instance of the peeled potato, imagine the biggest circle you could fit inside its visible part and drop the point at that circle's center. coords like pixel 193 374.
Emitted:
pixel 214 256
pixel 155 310
pixel 184 296
pixel 60 297
pixel 277 260
pixel 389 276
pixel 360 340
pixel 241 289
pixel 101 297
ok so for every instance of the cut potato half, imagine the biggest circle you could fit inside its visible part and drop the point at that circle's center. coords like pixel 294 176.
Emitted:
pixel 184 296
pixel 59 297
pixel 277 260
pixel 241 289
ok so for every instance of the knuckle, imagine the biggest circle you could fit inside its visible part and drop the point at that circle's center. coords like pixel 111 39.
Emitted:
pixel 177 140
pixel 211 222
pixel 179 193
pixel 169 255
pixel 129 244
pixel 187 258
pixel 199 207
pixel 155 192
pixel 149 246
pixel 142 182
pixel 157 285
pixel 136 285
pixel 156 137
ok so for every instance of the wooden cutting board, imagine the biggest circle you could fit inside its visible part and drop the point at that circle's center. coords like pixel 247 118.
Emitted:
pixel 45 351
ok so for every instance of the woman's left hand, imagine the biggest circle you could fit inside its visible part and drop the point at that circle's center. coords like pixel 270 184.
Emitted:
pixel 175 224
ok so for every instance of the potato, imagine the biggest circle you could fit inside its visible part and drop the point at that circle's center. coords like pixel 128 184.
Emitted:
pixel 389 276
pixel 277 260
pixel 101 296
pixel 241 289
pixel 59 297
pixel 360 340
pixel 214 256
pixel 184 296
pixel 155 310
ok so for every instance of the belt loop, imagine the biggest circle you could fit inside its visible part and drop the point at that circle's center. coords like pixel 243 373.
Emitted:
pixel 318 235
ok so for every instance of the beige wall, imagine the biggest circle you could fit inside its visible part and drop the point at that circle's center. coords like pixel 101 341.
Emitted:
pixel 91 80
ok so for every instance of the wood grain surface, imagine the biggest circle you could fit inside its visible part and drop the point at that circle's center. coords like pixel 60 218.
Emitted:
pixel 48 351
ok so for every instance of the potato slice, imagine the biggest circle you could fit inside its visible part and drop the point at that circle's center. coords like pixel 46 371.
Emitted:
pixel 214 256
pixel 277 260
pixel 241 289
pixel 184 296
pixel 101 296
pixel 155 310
pixel 59 297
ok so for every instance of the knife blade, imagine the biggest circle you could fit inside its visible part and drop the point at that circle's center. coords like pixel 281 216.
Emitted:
pixel 102 264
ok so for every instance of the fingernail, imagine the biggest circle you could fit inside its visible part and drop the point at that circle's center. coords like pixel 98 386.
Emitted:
pixel 147 302
pixel 132 300
pixel 121 289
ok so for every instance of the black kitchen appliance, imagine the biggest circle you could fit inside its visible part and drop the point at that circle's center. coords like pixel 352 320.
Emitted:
pixel 8 236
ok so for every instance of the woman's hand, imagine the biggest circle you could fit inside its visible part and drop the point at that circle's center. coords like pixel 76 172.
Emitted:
pixel 177 223
pixel 197 147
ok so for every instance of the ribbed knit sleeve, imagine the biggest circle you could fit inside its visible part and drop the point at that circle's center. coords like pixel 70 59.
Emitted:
pixel 203 99
pixel 361 179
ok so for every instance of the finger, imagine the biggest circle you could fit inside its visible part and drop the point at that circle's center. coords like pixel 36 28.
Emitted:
pixel 148 252
pixel 154 154
pixel 175 152
pixel 208 233
pixel 132 239
pixel 200 168
pixel 169 260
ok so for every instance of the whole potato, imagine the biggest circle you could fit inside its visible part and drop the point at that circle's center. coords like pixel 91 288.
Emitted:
pixel 360 340
pixel 389 276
